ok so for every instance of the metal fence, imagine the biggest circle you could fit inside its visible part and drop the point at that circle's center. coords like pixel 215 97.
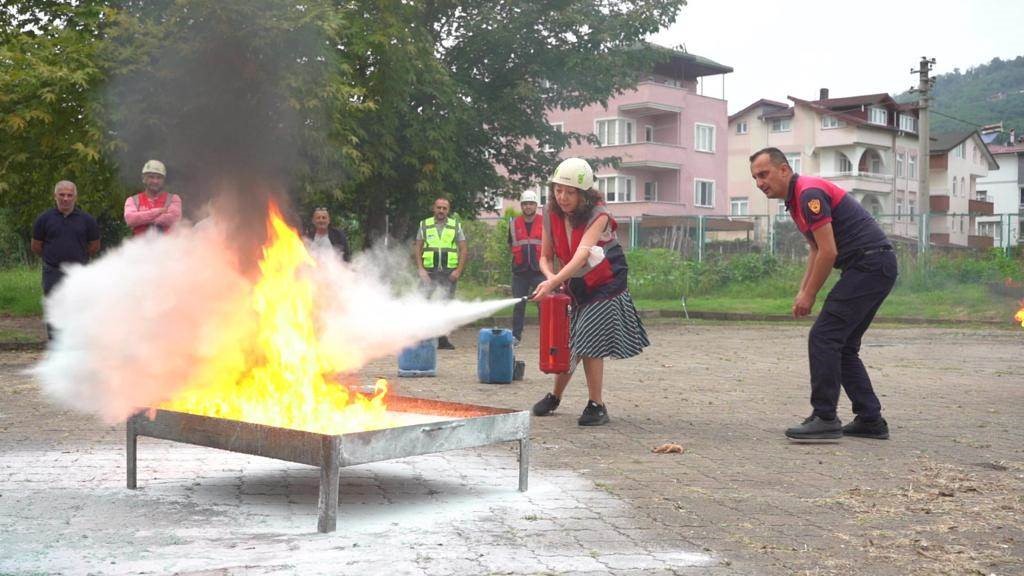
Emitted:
pixel 702 237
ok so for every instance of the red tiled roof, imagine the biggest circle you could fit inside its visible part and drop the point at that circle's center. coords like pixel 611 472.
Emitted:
pixel 855 100
pixel 761 102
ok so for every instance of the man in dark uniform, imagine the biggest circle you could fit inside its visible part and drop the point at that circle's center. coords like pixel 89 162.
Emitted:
pixel 841 234
pixel 63 234
pixel 524 240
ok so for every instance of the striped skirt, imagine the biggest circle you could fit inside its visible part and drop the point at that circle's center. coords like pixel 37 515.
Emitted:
pixel 606 328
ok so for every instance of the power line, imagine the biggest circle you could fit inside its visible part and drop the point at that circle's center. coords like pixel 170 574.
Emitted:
pixel 972 124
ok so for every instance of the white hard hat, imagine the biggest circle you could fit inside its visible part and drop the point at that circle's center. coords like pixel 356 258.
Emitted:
pixel 528 196
pixel 575 172
pixel 154 167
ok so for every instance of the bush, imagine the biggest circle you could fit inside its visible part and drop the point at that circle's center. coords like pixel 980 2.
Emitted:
pixel 490 260
pixel 13 251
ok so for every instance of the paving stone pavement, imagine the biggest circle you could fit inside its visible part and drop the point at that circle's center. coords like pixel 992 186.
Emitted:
pixel 943 496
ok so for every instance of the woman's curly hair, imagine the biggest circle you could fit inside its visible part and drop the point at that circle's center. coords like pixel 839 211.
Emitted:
pixel 588 200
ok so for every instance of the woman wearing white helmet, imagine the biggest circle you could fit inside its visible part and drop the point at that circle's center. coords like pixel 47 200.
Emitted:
pixel 579 232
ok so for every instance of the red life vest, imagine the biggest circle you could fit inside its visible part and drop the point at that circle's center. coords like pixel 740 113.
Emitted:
pixel 143 202
pixel 526 247
pixel 608 278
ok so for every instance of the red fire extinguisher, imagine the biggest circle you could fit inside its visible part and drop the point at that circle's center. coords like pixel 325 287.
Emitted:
pixel 554 333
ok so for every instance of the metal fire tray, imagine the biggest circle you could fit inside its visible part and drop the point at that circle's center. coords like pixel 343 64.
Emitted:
pixel 465 426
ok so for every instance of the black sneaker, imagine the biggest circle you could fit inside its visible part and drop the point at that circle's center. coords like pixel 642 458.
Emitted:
pixel 814 428
pixel 546 405
pixel 594 414
pixel 444 344
pixel 877 429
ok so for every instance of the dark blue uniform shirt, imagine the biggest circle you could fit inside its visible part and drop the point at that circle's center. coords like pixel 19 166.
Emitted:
pixel 65 238
pixel 854 228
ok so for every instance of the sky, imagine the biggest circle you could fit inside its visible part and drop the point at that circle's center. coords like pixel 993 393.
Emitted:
pixel 787 48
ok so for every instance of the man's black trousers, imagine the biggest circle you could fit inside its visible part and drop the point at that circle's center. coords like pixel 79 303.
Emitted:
pixel 834 341
pixel 523 284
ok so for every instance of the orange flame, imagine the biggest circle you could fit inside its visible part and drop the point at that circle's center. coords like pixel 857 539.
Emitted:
pixel 1019 316
pixel 277 377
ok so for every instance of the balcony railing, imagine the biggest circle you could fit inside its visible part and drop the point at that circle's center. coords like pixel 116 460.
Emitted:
pixel 938 203
pixel 876 176
pixel 981 207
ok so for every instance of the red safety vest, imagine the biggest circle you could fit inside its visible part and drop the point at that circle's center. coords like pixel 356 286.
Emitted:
pixel 608 278
pixel 143 202
pixel 526 247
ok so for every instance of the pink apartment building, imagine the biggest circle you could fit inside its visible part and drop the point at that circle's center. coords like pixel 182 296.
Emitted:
pixel 670 140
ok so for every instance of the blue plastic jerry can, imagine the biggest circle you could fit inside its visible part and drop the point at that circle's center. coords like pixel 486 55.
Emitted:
pixel 419 360
pixel 495 357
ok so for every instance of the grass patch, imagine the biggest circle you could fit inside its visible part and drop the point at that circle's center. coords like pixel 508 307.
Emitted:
pixel 21 291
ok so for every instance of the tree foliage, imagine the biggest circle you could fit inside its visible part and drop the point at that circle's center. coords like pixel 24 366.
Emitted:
pixel 374 107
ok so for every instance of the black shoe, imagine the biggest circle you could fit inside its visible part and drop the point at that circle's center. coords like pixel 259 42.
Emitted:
pixel 594 414
pixel 814 428
pixel 877 429
pixel 546 405
pixel 444 344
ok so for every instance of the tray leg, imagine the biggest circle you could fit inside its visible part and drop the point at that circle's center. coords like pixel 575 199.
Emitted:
pixel 329 478
pixel 131 449
pixel 524 464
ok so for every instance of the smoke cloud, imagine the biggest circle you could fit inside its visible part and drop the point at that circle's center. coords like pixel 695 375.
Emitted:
pixel 163 312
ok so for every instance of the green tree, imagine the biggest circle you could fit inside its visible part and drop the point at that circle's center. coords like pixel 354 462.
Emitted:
pixel 376 105
pixel 49 86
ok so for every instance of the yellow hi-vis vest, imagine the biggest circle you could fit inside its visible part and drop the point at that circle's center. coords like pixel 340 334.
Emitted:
pixel 440 249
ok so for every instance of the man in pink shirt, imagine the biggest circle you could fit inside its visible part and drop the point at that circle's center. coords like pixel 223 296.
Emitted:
pixel 154 207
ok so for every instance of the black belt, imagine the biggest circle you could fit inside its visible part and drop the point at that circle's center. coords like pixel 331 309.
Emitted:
pixel 875 250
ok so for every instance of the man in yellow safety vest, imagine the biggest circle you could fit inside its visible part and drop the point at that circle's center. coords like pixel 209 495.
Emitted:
pixel 441 254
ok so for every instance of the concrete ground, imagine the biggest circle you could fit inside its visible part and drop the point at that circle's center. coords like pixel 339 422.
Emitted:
pixel 944 496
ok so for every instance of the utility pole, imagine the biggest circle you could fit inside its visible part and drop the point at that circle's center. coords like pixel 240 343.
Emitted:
pixel 924 85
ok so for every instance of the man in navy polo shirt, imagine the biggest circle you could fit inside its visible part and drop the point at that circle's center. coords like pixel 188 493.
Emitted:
pixel 63 234
pixel 841 234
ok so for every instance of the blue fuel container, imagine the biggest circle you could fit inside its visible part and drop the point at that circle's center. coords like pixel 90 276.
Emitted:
pixel 495 357
pixel 419 360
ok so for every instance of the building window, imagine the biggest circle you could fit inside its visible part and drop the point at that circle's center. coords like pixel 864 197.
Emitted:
pixel 741 127
pixel 878 115
pixel 704 193
pixel 828 122
pixel 963 188
pixel 542 194
pixel 794 161
pixel 704 137
pixel 899 208
pixel 648 133
pixel 843 164
pixel 782 125
pixel 961 150
pixel 981 195
pixel 616 188
pixel 900 156
pixel 908 123
pixel 739 206
pixel 651 191
pixel 954 187
pixel 614 131
pixel 912 165
pixel 876 164
pixel 559 127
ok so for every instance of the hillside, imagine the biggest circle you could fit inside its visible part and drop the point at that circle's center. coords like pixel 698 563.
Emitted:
pixel 985 94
